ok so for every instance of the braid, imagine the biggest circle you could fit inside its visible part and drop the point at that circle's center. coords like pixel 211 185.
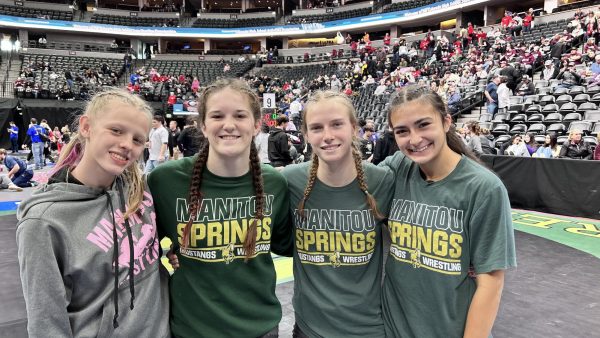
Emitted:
pixel 360 175
pixel 259 190
pixel 195 197
pixel 312 176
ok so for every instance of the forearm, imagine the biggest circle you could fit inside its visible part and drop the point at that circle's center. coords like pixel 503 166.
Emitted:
pixel 163 149
pixel 484 305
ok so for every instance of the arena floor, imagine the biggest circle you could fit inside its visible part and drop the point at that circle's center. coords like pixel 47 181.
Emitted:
pixel 553 293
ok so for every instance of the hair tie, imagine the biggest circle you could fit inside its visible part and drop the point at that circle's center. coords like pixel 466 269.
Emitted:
pixel 366 192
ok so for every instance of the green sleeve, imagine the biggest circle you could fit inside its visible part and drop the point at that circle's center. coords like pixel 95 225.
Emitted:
pixel 282 228
pixel 492 235
pixel 153 186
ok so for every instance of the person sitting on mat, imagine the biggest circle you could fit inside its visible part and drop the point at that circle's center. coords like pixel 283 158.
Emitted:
pixel 18 173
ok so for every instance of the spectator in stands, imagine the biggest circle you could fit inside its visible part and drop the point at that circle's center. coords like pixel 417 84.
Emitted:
pixel 574 57
pixel 550 148
pixel 575 148
pixel 453 99
pixel 366 144
pixel 506 21
pixel 550 71
pixel 18 174
pixel 518 147
pixel 525 87
pixel 336 84
pixel 528 21
pixel 279 152
pixel 473 141
pixel 529 140
pixel 491 93
pixel 513 76
pixel 558 49
pixel 42 42
pixel 595 66
pixel 504 94
pixel 387 39
pixel 569 76
pixel 114 46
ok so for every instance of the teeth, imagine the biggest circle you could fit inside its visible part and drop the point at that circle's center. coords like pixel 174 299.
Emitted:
pixel 119 157
pixel 329 147
pixel 229 137
pixel 419 149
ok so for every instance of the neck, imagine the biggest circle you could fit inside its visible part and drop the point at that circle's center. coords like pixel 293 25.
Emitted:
pixel 337 174
pixel 228 166
pixel 85 175
pixel 439 168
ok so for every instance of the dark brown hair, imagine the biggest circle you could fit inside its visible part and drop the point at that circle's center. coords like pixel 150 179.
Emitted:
pixel 195 196
pixel 317 97
pixel 427 96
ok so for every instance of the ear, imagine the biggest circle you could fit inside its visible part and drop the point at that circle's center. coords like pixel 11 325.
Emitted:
pixel 447 122
pixel 84 126
pixel 257 126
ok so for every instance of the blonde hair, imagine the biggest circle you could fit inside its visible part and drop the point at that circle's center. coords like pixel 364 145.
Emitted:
pixel 72 153
pixel 332 96
pixel 573 133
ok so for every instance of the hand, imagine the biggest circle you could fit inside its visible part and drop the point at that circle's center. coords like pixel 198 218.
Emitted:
pixel 173 259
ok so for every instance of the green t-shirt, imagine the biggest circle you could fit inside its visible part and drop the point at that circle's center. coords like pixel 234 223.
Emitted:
pixel 338 258
pixel 439 230
pixel 215 293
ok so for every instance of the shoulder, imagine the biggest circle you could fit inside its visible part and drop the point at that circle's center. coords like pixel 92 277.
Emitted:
pixel 272 176
pixel 170 169
pixel 378 176
pixel 296 171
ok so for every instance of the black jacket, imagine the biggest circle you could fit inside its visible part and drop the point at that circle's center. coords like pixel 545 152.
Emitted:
pixel 386 146
pixel 189 141
pixel 279 150
pixel 580 150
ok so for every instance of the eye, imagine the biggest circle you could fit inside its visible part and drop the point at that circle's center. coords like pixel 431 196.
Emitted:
pixel 316 128
pixel 400 132
pixel 116 131
pixel 424 124
pixel 138 141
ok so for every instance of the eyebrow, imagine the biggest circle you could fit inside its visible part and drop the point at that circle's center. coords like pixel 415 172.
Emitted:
pixel 416 122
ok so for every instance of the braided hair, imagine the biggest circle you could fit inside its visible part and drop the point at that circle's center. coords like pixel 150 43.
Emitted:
pixel 317 97
pixel 195 194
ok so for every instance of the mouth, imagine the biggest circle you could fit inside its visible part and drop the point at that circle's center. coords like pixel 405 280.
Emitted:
pixel 229 137
pixel 421 149
pixel 330 147
pixel 118 157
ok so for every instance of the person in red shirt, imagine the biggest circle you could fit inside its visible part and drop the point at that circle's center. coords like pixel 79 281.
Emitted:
pixel 387 39
pixel 172 99
pixel 528 21
pixel 481 35
pixel 506 20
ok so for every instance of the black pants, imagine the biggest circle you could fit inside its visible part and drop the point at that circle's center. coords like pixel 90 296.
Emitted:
pixel 14 145
pixel 297 333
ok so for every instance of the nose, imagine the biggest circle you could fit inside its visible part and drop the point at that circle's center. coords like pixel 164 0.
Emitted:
pixel 327 134
pixel 415 138
pixel 229 123
pixel 126 143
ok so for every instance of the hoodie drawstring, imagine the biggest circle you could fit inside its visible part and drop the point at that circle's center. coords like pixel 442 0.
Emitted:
pixel 115 260
pixel 130 238
pixel 116 253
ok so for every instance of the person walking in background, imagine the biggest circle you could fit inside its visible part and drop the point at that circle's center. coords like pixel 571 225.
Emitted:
pixel 37 134
pixel 157 144
pixel 13 131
